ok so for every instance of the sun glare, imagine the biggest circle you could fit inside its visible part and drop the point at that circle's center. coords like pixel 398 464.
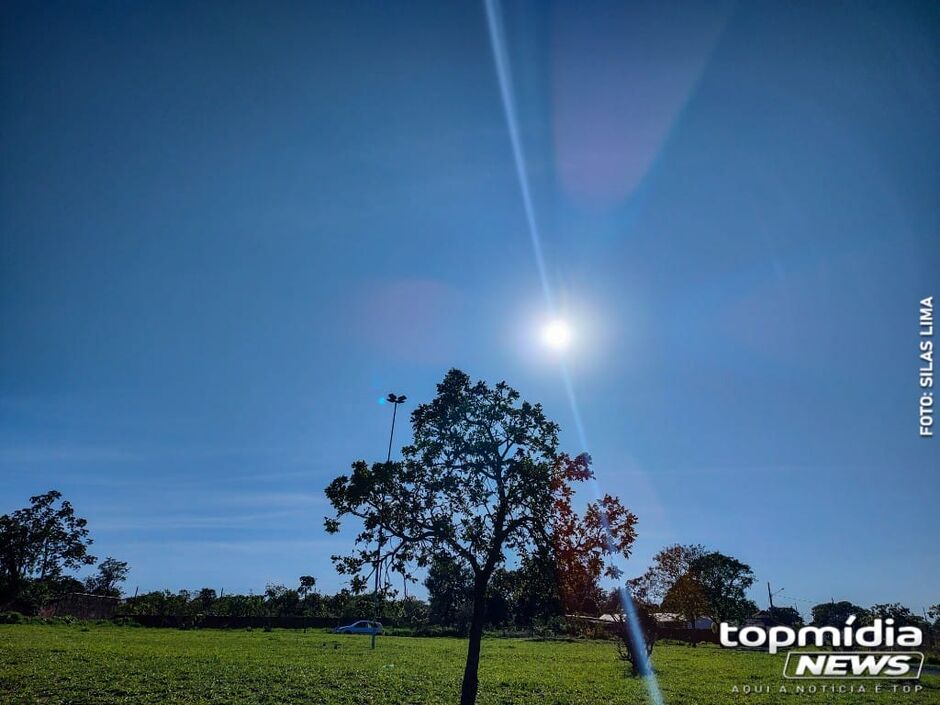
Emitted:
pixel 557 335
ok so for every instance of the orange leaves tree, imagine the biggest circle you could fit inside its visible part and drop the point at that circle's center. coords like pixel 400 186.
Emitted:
pixel 586 545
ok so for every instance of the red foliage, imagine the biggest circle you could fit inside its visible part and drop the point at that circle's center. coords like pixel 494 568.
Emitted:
pixel 586 546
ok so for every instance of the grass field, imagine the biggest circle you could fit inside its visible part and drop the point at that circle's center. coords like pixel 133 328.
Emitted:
pixel 110 664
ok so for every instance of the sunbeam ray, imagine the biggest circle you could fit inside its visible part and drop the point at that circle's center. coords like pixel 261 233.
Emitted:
pixel 498 44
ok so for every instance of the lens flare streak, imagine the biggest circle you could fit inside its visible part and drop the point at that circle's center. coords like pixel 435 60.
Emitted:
pixel 498 44
pixel 494 21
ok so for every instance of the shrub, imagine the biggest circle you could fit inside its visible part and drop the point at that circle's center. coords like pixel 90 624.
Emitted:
pixel 636 649
pixel 126 622
pixel 12 618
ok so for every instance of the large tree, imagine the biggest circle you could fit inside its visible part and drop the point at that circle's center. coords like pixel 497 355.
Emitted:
pixel 724 582
pixel 834 614
pixel 686 598
pixel 40 542
pixel 668 583
pixel 480 481
pixel 785 616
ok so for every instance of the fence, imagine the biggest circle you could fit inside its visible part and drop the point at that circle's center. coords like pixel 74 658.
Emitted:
pixel 81 606
pixel 217 621
pixel 692 636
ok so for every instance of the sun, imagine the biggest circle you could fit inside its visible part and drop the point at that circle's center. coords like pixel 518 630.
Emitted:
pixel 557 335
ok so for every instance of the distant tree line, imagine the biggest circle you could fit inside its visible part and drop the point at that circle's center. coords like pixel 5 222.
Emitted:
pixel 523 599
pixel 835 614
pixel 276 601
pixel 41 542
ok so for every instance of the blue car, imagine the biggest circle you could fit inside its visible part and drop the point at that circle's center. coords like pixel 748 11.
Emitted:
pixel 363 626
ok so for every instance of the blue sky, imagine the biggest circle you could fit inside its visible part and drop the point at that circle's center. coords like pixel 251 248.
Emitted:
pixel 227 231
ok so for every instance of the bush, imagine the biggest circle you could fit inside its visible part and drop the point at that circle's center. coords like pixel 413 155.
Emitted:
pixel 66 620
pixel 12 618
pixel 549 628
pixel 437 630
pixel 125 622
pixel 637 649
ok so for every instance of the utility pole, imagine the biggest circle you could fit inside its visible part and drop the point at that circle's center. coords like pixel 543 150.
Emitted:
pixel 770 598
pixel 394 400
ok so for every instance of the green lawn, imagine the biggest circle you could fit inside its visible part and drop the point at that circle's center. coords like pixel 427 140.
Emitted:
pixel 109 664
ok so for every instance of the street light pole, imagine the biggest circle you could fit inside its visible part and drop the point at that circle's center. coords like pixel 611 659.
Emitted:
pixel 394 400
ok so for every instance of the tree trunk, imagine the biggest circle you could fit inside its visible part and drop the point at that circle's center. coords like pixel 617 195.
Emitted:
pixel 468 692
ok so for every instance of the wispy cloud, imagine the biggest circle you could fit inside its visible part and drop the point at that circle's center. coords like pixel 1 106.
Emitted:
pixel 192 521
pixel 65 453
pixel 251 546
pixel 275 475
pixel 271 499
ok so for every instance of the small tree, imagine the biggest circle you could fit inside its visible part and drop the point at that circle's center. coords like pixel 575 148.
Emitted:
pixel 308 584
pixel 206 598
pixel 111 572
pixel 636 636
pixel 480 479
